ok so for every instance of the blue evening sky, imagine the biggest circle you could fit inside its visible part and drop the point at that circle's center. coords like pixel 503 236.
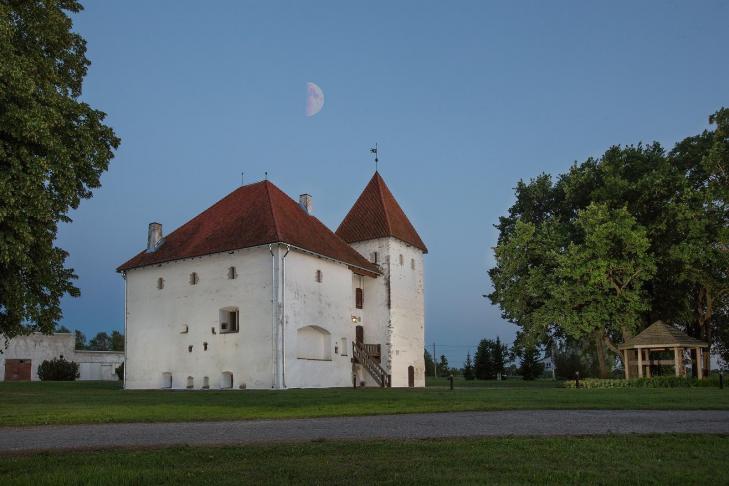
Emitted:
pixel 464 99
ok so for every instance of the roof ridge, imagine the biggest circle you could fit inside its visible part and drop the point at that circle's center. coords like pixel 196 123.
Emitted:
pixel 380 182
pixel 276 228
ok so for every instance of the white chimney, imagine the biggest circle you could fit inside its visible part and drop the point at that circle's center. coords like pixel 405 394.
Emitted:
pixel 154 237
pixel 306 203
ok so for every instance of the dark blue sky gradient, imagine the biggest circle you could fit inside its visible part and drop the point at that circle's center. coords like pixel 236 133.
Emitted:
pixel 464 98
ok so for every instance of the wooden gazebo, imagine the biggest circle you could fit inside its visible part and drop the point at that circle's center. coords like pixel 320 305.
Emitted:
pixel 657 337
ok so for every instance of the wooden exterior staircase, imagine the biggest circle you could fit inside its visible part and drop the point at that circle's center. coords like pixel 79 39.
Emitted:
pixel 368 355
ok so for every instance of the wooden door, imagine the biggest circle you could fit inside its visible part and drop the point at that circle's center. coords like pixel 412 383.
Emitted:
pixel 17 369
pixel 411 376
pixel 359 336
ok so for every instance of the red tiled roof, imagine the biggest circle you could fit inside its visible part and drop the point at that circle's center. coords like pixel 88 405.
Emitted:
pixel 376 214
pixel 252 215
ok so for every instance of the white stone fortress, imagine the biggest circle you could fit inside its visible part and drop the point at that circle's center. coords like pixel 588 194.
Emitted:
pixel 255 292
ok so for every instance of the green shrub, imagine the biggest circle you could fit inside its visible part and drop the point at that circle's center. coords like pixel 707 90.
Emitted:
pixel 58 369
pixel 653 382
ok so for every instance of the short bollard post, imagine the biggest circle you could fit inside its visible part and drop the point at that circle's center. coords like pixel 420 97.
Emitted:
pixel 577 379
pixel 450 379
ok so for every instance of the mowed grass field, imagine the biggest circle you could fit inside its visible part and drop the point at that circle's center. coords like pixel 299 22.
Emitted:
pixel 664 460
pixel 100 402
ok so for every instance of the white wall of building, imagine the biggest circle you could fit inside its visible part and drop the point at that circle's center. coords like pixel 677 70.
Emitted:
pixel 400 327
pixel 407 313
pixel 294 330
pixel 162 324
pixel 327 305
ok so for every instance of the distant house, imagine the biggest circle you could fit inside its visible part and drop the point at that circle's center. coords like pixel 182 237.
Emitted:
pixel 549 368
pixel 20 360
pixel 255 292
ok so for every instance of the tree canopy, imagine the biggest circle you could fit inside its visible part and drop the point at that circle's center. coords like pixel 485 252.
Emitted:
pixel 620 241
pixel 53 150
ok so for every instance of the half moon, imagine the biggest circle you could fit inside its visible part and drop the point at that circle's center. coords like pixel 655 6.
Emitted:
pixel 314 99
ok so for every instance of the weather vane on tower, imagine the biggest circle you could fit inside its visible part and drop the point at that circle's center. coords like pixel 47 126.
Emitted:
pixel 374 151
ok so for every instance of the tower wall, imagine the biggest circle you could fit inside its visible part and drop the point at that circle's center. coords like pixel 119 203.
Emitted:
pixel 394 307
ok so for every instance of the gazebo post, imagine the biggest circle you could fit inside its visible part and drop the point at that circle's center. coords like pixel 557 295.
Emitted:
pixel 699 364
pixel 676 361
pixel 650 362
pixel 625 363
pixel 640 363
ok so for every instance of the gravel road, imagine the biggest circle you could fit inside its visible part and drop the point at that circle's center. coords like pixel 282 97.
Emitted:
pixel 408 426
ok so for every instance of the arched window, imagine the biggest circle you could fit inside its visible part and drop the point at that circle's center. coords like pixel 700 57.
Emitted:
pixel 190 382
pixel 232 273
pixel 402 259
pixel 313 342
pixel 166 379
pixel 318 276
pixel 160 283
pixel 206 382
pixel 412 263
pixel 194 279
pixel 226 380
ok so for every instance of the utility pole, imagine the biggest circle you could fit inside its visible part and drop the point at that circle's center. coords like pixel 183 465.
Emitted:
pixel 435 364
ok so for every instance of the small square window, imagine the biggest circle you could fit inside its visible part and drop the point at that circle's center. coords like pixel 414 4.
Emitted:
pixel 228 318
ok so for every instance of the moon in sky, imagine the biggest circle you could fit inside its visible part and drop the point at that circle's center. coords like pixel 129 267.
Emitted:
pixel 314 99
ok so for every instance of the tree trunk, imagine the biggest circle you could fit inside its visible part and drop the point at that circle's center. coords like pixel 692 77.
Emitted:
pixel 601 358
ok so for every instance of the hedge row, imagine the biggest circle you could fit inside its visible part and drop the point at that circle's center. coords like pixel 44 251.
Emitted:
pixel 653 382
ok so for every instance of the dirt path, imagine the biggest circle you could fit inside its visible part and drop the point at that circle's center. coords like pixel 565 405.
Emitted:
pixel 410 426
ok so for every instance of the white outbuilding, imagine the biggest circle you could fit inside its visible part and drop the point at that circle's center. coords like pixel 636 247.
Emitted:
pixel 19 361
pixel 256 292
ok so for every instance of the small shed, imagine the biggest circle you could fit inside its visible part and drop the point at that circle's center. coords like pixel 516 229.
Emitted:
pixel 659 337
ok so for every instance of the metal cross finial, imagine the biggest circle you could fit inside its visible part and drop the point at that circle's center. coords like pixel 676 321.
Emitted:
pixel 374 151
pixel 266 174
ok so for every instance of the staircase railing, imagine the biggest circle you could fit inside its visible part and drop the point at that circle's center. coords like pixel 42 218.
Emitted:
pixel 372 366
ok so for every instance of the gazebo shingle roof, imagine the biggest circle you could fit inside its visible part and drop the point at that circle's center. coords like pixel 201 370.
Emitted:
pixel 660 334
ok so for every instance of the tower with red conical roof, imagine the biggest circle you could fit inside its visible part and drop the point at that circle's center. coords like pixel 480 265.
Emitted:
pixel 393 308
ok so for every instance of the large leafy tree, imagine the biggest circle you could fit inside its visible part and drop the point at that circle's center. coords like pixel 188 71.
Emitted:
pixel 600 280
pixel 53 150
pixel 676 201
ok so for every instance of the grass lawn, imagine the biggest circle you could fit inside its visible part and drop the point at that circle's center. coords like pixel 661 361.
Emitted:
pixel 94 402
pixel 666 459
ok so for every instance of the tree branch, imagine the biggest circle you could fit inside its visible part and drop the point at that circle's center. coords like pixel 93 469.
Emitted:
pixel 613 348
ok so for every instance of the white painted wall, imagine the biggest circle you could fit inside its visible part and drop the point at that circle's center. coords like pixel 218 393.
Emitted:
pixel 326 304
pixel 37 347
pixel 407 340
pixel 157 319
pixel 401 326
